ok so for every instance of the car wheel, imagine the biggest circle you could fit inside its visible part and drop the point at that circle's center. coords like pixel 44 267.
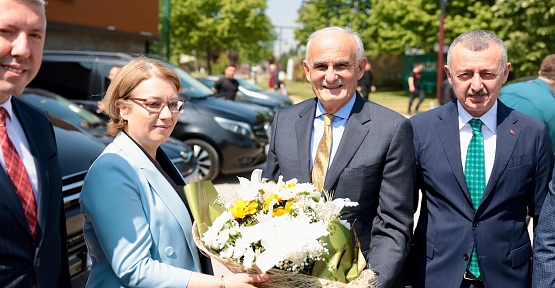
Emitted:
pixel 207 157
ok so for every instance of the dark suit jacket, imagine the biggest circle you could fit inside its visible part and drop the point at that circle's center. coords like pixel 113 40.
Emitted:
pixel 543 274
pixel 22 261
pixel 448 227
pixel 373 165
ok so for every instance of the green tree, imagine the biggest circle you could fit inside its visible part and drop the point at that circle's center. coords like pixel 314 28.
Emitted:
pixel 317 14
pixel 213 27
pixel 527 28
pixel 397 26
pixel 394 27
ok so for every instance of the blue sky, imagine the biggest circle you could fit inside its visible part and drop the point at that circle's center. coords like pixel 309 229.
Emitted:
pixel 284 13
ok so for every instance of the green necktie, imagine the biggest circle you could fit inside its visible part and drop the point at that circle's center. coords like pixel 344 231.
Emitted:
pixel 475 176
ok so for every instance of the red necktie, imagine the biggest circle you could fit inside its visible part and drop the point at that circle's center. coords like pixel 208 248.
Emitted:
pixel 18 175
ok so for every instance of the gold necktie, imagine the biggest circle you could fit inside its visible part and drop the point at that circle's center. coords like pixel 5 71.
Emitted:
pixel 322 155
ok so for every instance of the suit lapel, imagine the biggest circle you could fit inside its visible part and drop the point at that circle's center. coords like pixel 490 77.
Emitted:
pixel 36 148
pixel 303 129
pixel 11 200
pixel 447 128
pixel 508 133
pixel 161 187
pixel 354 134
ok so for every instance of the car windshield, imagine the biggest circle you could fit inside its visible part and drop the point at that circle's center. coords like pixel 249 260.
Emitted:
pixel 192 88
pixel 249 86
pixel 64 109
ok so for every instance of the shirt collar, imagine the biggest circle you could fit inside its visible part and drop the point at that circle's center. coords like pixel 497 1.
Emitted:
pixel 342 113
pixel 489 118
pixel 8 106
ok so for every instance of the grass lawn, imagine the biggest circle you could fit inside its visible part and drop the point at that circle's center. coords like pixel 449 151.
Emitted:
pixel 394 100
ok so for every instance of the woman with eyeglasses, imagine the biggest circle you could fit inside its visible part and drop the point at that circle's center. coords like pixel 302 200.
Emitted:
pixel 136 223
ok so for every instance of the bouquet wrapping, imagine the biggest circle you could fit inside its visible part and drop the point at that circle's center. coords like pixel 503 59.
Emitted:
pixel 285 229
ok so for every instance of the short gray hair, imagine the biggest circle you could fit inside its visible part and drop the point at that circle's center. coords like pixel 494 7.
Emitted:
pixel 354 35
pixel 478 40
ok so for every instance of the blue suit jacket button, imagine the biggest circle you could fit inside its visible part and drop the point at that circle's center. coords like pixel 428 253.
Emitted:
pixel 169 251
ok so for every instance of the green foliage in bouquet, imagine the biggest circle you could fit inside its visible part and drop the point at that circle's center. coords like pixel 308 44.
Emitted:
pixel 251 225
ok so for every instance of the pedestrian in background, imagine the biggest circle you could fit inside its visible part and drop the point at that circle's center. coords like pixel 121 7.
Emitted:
pixel 33 250
pixel 273 80
pixel 481 167
pixel 447 93
pixel 148 243
pixel 535 98
pixel 111 75
pixel 227 86
pixel 366 83
pixel 414 81
pixel 352 147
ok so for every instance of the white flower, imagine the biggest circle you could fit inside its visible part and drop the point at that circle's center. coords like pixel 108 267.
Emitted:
pixel 285 238
pixel 289 239
pixel 212 237
pixel 250 189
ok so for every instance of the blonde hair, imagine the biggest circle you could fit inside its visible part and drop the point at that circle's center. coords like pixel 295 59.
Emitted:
pixel 130 76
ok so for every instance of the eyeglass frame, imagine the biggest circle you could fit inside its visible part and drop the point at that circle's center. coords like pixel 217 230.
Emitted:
pixel 164 103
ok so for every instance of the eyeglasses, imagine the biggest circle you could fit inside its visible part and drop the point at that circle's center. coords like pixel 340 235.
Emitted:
pixel 156 105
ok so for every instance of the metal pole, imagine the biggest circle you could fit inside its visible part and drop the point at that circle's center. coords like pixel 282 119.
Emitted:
pixel 280 52
pixel 440 52
pixel 168 23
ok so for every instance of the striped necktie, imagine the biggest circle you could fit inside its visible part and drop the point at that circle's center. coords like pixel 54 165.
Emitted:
pixel 18 175
pixel 322 155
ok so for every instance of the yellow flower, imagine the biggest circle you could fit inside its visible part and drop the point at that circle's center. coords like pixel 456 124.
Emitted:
pixel 290 185
pixel 269 200
pixel 242 209
pixel 251 207
pixel 283 210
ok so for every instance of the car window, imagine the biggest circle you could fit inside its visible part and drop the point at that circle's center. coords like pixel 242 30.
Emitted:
pixel 91 119
pixel 249 86
pixel 191 86
pixel 69 79
pixel 51 106
pixel 64 109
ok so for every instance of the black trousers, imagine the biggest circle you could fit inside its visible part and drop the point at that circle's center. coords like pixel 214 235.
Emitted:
pixel 420 95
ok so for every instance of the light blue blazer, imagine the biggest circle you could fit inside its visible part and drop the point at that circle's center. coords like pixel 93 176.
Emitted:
pixel 137 229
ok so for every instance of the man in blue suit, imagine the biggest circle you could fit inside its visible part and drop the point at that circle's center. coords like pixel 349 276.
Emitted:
pixel 477 183
pixel 32 222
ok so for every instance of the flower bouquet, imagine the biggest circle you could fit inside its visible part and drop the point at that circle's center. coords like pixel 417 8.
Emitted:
pixel 285 229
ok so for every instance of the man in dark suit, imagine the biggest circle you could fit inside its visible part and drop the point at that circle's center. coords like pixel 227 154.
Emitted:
pixel 32 222
pixel 371 157
pixel 481 167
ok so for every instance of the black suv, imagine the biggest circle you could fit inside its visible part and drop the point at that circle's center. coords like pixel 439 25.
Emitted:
pixel 227 137
pixel 77 150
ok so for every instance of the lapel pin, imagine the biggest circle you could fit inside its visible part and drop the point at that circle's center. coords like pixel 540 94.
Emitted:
pixel 512 132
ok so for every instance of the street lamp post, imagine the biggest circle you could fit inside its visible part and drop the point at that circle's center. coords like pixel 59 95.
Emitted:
pixel 440 51
pixel 280 39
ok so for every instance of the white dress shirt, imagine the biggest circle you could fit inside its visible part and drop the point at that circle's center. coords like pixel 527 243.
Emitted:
pixel 489 131
pixel 337 128
pixel 17 136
